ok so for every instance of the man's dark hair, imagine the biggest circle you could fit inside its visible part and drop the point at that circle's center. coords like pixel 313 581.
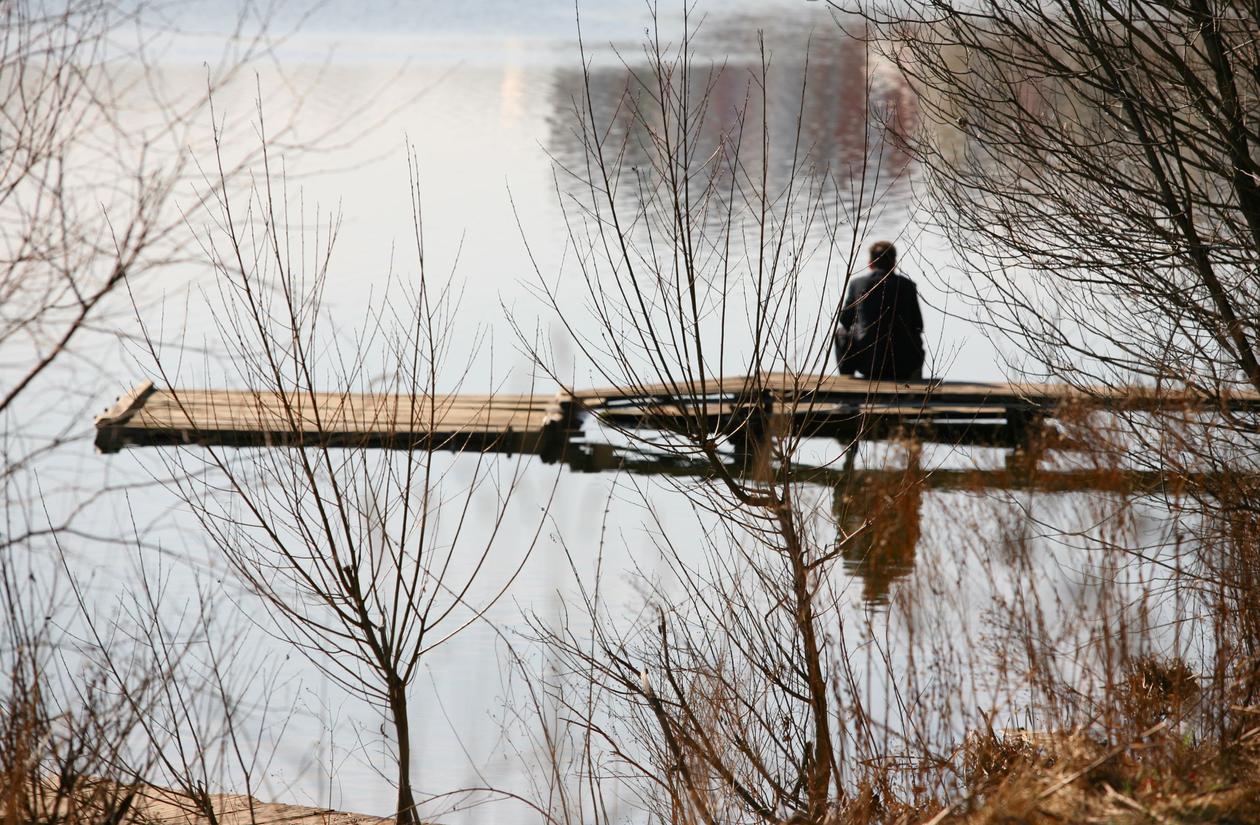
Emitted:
pixel 883 255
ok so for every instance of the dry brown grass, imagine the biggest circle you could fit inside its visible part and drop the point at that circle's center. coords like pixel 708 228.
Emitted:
pixel 1157 778
pixel 51 766
pixel 1023 778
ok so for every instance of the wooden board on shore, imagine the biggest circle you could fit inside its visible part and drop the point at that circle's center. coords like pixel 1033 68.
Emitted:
pixel 160 806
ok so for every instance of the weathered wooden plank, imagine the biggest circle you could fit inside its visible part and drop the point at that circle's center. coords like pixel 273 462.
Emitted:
pixel 195 395
pixel 128 403
pixel 791 385
pixel 277 405
pixel 243 418
pixel 160 806
pixel 359 416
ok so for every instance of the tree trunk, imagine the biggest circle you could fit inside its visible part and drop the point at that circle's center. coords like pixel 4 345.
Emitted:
pixel 406 810
pixel 818 779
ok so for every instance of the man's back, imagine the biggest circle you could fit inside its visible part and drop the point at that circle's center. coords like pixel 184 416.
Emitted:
pixel 885 327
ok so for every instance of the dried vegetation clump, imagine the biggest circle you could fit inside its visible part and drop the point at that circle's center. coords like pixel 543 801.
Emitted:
pixel 72 767
pixel 54 765
pixel 1159 778
pixel 1138 772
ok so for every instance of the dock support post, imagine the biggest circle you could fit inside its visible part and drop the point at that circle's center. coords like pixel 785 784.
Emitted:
pixel 1024 425
pixel 752 440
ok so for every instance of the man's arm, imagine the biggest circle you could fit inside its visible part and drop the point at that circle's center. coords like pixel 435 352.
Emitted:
pixel 848 309
pixel 913 316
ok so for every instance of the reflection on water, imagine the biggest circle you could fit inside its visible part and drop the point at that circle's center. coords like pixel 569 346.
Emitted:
pixel 827 111
pixel 879 510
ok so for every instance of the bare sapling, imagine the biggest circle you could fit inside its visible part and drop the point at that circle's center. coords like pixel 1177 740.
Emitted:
pixel 363 559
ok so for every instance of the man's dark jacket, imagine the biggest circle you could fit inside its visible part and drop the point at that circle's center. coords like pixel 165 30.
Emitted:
pixel 885 327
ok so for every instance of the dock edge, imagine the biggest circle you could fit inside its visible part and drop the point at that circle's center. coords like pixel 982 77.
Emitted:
pixel 109 424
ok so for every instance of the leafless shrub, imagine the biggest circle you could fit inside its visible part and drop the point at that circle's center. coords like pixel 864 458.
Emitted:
pixel 1095 165
pixel 364 560
pixel 95 147
pixel 105 708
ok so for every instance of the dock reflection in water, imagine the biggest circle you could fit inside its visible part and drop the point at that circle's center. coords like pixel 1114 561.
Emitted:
pixel 878 511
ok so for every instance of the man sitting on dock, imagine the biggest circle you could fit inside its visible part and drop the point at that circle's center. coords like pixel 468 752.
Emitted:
pixel 881 334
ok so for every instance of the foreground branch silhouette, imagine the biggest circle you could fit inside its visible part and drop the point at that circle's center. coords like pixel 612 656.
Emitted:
pixel 704 248
pixel 1098 167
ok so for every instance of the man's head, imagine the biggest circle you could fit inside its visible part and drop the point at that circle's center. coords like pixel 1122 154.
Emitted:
pixel 883 256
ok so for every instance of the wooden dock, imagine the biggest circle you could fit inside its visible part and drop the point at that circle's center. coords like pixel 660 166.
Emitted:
pixel 747 408
pixel 149 416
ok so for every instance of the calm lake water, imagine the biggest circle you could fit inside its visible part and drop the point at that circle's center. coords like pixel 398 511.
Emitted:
pixel 483 93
